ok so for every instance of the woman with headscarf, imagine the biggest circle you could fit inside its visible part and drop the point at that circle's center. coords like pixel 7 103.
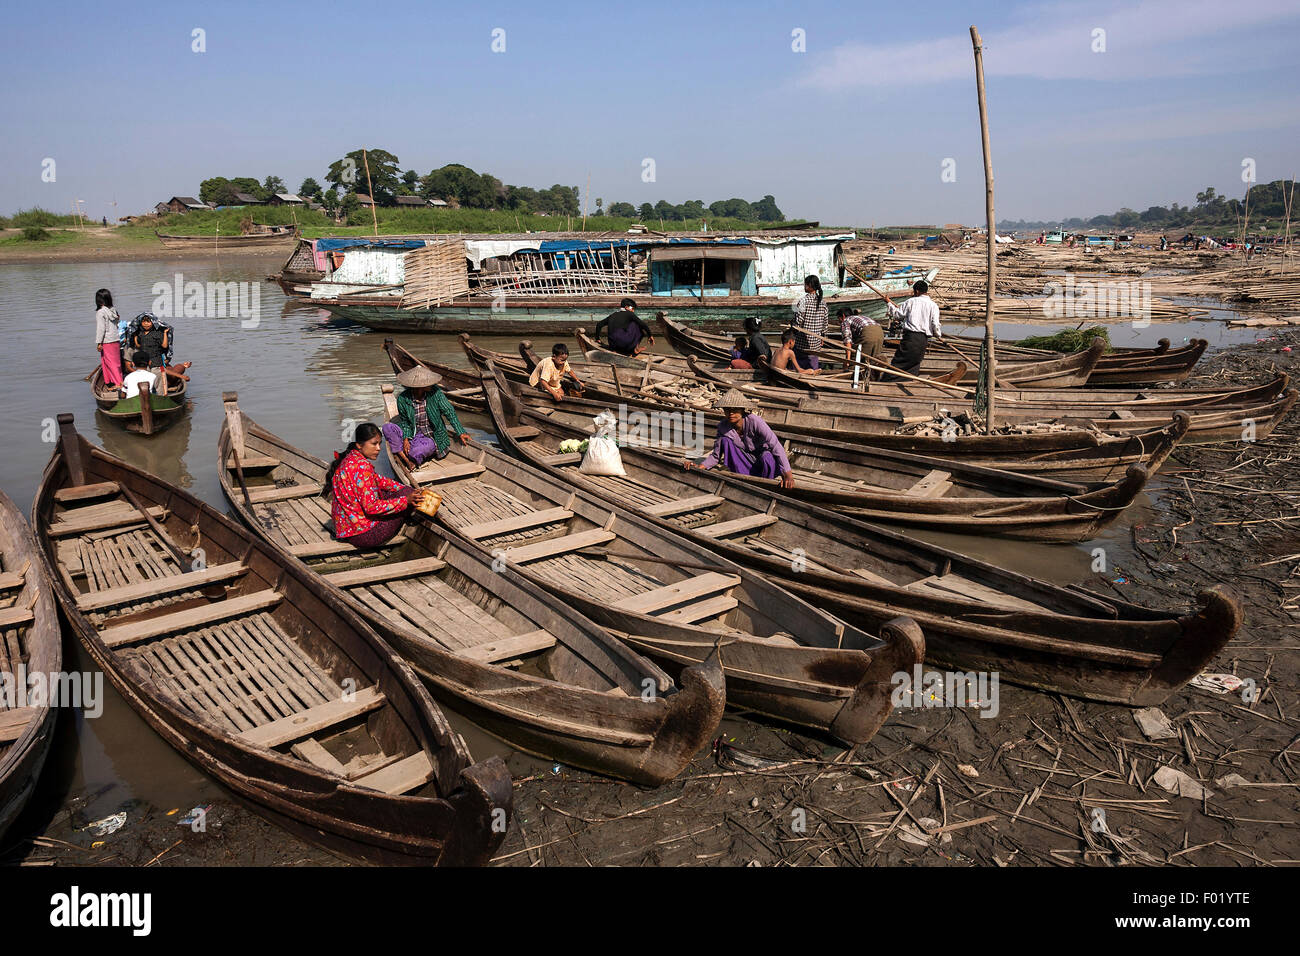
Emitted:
pixel 810 316
pixel 419 433
pixel 746 445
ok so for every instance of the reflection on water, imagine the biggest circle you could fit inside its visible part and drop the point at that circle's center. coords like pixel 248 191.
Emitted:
pixel 300 374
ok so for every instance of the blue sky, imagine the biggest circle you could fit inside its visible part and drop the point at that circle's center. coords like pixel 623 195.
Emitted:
pixel 853 130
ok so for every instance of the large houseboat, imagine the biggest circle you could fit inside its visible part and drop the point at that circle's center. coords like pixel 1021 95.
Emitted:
pixel 507 284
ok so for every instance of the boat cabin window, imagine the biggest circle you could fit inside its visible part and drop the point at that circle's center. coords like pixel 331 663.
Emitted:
pixel 687 272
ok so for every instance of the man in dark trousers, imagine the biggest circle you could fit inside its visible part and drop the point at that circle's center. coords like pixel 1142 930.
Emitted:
pixel 625 330
pixel 920 318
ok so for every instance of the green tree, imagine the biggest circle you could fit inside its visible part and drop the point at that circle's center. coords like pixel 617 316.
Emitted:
pixel 459 182
pixel 349 174
pixel 209 187
pixel 331 201
pixel 766 210
pixel 310 189
pixel 623 210
pixel 646 212
pixel 272 185
pixel 410 182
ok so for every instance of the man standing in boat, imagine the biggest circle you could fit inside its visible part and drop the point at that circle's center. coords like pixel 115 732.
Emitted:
pixel 746 444
pixel 920 317
pixel 626 330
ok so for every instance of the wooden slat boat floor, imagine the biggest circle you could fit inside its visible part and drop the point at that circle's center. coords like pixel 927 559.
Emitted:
pixel 476 503
pixel 241 674
pixel 129 559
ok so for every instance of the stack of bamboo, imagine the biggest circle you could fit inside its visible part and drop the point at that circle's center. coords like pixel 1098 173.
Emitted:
pixel 435 274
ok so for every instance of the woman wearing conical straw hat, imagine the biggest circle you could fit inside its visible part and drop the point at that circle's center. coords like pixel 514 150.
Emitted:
pixel 746 444
pixel 418 433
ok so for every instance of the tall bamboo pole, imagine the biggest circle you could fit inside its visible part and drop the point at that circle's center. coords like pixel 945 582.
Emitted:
pixel 374 216
pixel 989 376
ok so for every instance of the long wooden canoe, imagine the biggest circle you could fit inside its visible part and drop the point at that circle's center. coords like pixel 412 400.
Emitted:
pixel 255 672
pixel 1118 367
pixel 153 415
pixel 30 647
pixel 1048 371
pixel 1251 418
pixel 671 598
pixel 976 617
pixel 489 643
pixel 946 495
pixel 1070 454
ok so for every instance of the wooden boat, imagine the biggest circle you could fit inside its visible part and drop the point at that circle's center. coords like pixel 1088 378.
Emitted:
pixel 976 617
pixel 489 643
pixel 259 675
pixel 672 599
pixel 1119 366
pixel 256 240
pixel 1074 454
pixel 152 417
pixel 30 644
pixel 1248 415
pixel 946 495
pixel 1050 371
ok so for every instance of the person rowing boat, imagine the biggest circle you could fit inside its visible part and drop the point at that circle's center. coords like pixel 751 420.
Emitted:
pixel 746 445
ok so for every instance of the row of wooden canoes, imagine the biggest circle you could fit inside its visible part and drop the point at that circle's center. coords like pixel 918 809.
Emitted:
pixel 1248 413
pixel 600 621
pixel 1017 366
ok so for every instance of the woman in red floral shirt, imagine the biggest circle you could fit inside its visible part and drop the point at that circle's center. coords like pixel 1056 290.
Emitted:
pixel 368 508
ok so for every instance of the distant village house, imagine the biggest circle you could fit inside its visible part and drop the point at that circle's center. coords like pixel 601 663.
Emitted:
pixel 179 204
pixel 286 199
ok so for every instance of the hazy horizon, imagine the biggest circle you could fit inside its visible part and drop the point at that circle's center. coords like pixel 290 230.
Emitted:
pixel 855 130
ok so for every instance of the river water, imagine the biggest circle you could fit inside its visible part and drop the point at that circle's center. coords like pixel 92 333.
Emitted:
pixel 304 376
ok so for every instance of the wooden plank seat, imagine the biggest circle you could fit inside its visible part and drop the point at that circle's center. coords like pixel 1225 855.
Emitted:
pixel 531 519
pixel 727 529
pixel 311 721
pixel 436 472
pixel 260 495
pixel 680 592
pixel 158 587
pixel 100 521
pixel 15 617
pixel 701 610
pixel 254 462
pixel 950 585
pixel 551 547
pixel 188 619
pixel 73 493
pixel 933 485
pixel 677 506
pixel 401 777
pixel 311 751
pixel 14 722
pixel 522 432
pixel 515 646
pixel 329 547
pixel 561 459
pixel 385 572
pixel 13 580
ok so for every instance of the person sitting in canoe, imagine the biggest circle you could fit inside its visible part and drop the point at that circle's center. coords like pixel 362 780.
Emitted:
pixel 626 330
pixel 786 356
pixel 740 354
pixel 550 374
pixel 139 375
pixel 746 444
pixel 422 408
pixel 758 346
pixel 154 339
pixel 368 509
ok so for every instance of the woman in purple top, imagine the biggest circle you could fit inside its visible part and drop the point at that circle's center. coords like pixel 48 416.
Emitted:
pixel 746 444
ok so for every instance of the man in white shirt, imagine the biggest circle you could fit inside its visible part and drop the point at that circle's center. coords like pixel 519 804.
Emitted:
pixel 920 318
pixel 131 384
